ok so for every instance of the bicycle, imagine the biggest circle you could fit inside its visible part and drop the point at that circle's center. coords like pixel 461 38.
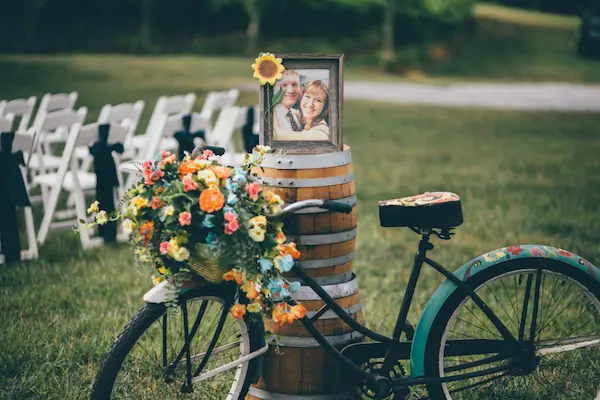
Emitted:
pixel 518 352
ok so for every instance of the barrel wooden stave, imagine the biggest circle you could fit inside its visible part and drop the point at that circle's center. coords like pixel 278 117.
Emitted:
pixel 305 368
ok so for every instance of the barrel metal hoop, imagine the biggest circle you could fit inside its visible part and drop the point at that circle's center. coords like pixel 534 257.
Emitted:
pixel 307 161
pixel 317 210
pixel 326 262
pixel 328 280
pixel 332 315
pixel 322 238
pixel 296 341
pixel 305 183
pixel 335 291
pixel 264 395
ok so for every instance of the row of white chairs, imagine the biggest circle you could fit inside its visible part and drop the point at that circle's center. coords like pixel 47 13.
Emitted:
pixel 58 159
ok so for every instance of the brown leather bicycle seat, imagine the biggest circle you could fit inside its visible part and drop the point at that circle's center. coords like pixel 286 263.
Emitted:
pixel 440 210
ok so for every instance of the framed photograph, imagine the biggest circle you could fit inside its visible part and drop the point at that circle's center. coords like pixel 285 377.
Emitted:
pixel 302 111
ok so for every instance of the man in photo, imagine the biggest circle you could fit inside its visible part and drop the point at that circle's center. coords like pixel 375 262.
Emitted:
pixel 286 119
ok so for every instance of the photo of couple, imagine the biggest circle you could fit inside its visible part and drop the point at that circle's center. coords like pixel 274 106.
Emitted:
pixel 303 113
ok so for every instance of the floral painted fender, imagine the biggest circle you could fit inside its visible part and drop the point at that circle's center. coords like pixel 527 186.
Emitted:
pixel 476 265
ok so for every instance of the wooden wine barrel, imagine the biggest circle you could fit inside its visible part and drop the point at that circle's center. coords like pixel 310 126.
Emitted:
pixel 296 367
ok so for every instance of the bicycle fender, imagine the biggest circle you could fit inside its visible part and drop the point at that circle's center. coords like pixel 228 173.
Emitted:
pixel 476 265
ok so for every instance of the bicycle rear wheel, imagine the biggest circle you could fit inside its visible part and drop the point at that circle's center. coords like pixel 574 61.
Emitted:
pixel 149 358
pixel 561 362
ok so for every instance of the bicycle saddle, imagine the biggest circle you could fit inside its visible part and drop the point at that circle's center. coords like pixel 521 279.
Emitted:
pixel 440 210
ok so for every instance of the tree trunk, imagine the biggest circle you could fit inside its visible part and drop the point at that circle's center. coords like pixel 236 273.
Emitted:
pixel 253 30
pixel 387 49
pixel 145 30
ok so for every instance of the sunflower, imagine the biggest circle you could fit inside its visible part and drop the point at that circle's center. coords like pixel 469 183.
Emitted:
pixel 267 68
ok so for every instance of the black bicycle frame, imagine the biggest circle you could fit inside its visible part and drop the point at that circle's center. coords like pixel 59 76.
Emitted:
pixel 392 344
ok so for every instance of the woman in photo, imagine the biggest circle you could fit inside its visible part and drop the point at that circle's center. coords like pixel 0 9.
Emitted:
pixel 314 106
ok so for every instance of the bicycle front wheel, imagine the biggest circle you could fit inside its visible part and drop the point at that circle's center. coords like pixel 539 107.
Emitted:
pixel 149 359
pixel 560 335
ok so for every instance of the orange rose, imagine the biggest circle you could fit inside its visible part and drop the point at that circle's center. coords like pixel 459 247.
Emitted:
pixel 146 230
pixel 233 275
pixel 220 171
pixel 238 310
pixel 290 249
pixel 186 168
pixel 297 311
pixel 211 199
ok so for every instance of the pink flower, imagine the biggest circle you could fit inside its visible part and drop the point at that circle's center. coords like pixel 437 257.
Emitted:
pixel 189 183
pixel 231 226
pixel 229 216
pixel 147 165
pixel 253 189
pixel 164 248
pixel 156 203
pixel 185 218
pixel 208 153
pixel 164 154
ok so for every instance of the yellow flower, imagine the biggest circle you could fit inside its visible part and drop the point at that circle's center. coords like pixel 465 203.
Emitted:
pixel 128 226
pixel 208 177
pixel 254 307
pixel 181 254
pixel 267 68
pixel 168 211
pixel 157 279
pixel 94 207
pixel 201 163
pixel 257 235
pixel 102 217
pixel 139 202
pixel 162 270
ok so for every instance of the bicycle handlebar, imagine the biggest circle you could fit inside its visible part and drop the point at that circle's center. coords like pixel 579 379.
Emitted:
pixel 219 151
pixel 330 205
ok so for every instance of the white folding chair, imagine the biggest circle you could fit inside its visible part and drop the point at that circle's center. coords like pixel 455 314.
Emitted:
pixel 167 126
pixel 126 115
pixel 230 119
pixel 6 123
pixel 54 102
pixel 177 106
pixel 71 179
pixel 19 108
pixel 40 160
pixel 24 142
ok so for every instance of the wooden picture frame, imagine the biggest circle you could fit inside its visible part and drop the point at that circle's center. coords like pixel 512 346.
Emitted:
pixel 315 129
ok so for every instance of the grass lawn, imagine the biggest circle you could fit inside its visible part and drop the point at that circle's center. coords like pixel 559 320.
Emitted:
pixel 525 177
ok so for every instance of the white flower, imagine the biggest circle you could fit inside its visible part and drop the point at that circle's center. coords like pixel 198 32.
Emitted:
pixel 93 207
pixel 102 217
pixel 128 226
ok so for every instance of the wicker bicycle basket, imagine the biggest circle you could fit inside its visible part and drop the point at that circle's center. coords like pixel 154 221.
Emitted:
pixel 207 264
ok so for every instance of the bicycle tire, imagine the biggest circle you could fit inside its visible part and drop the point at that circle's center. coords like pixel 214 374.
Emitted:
pixel 105 379
pixel 455 301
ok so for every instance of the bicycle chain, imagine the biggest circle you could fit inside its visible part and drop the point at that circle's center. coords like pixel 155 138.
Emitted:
pixel 373 367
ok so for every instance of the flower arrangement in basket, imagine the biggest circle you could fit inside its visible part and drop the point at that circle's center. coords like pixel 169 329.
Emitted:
pixel 196 216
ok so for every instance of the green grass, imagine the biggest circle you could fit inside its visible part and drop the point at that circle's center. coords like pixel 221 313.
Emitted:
pixel 525 177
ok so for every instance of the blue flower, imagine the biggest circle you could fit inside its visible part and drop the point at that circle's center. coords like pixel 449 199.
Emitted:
pixel 229 184
pixel 285 263
pixel 208 221
pixel 239 175
pixel 265 265
pixel 275 286
pixel 212 240
pixel 232 199
pixel 295 286
pixel 227 209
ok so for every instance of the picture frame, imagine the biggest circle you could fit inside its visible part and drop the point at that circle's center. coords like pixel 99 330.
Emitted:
pixel 316 126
